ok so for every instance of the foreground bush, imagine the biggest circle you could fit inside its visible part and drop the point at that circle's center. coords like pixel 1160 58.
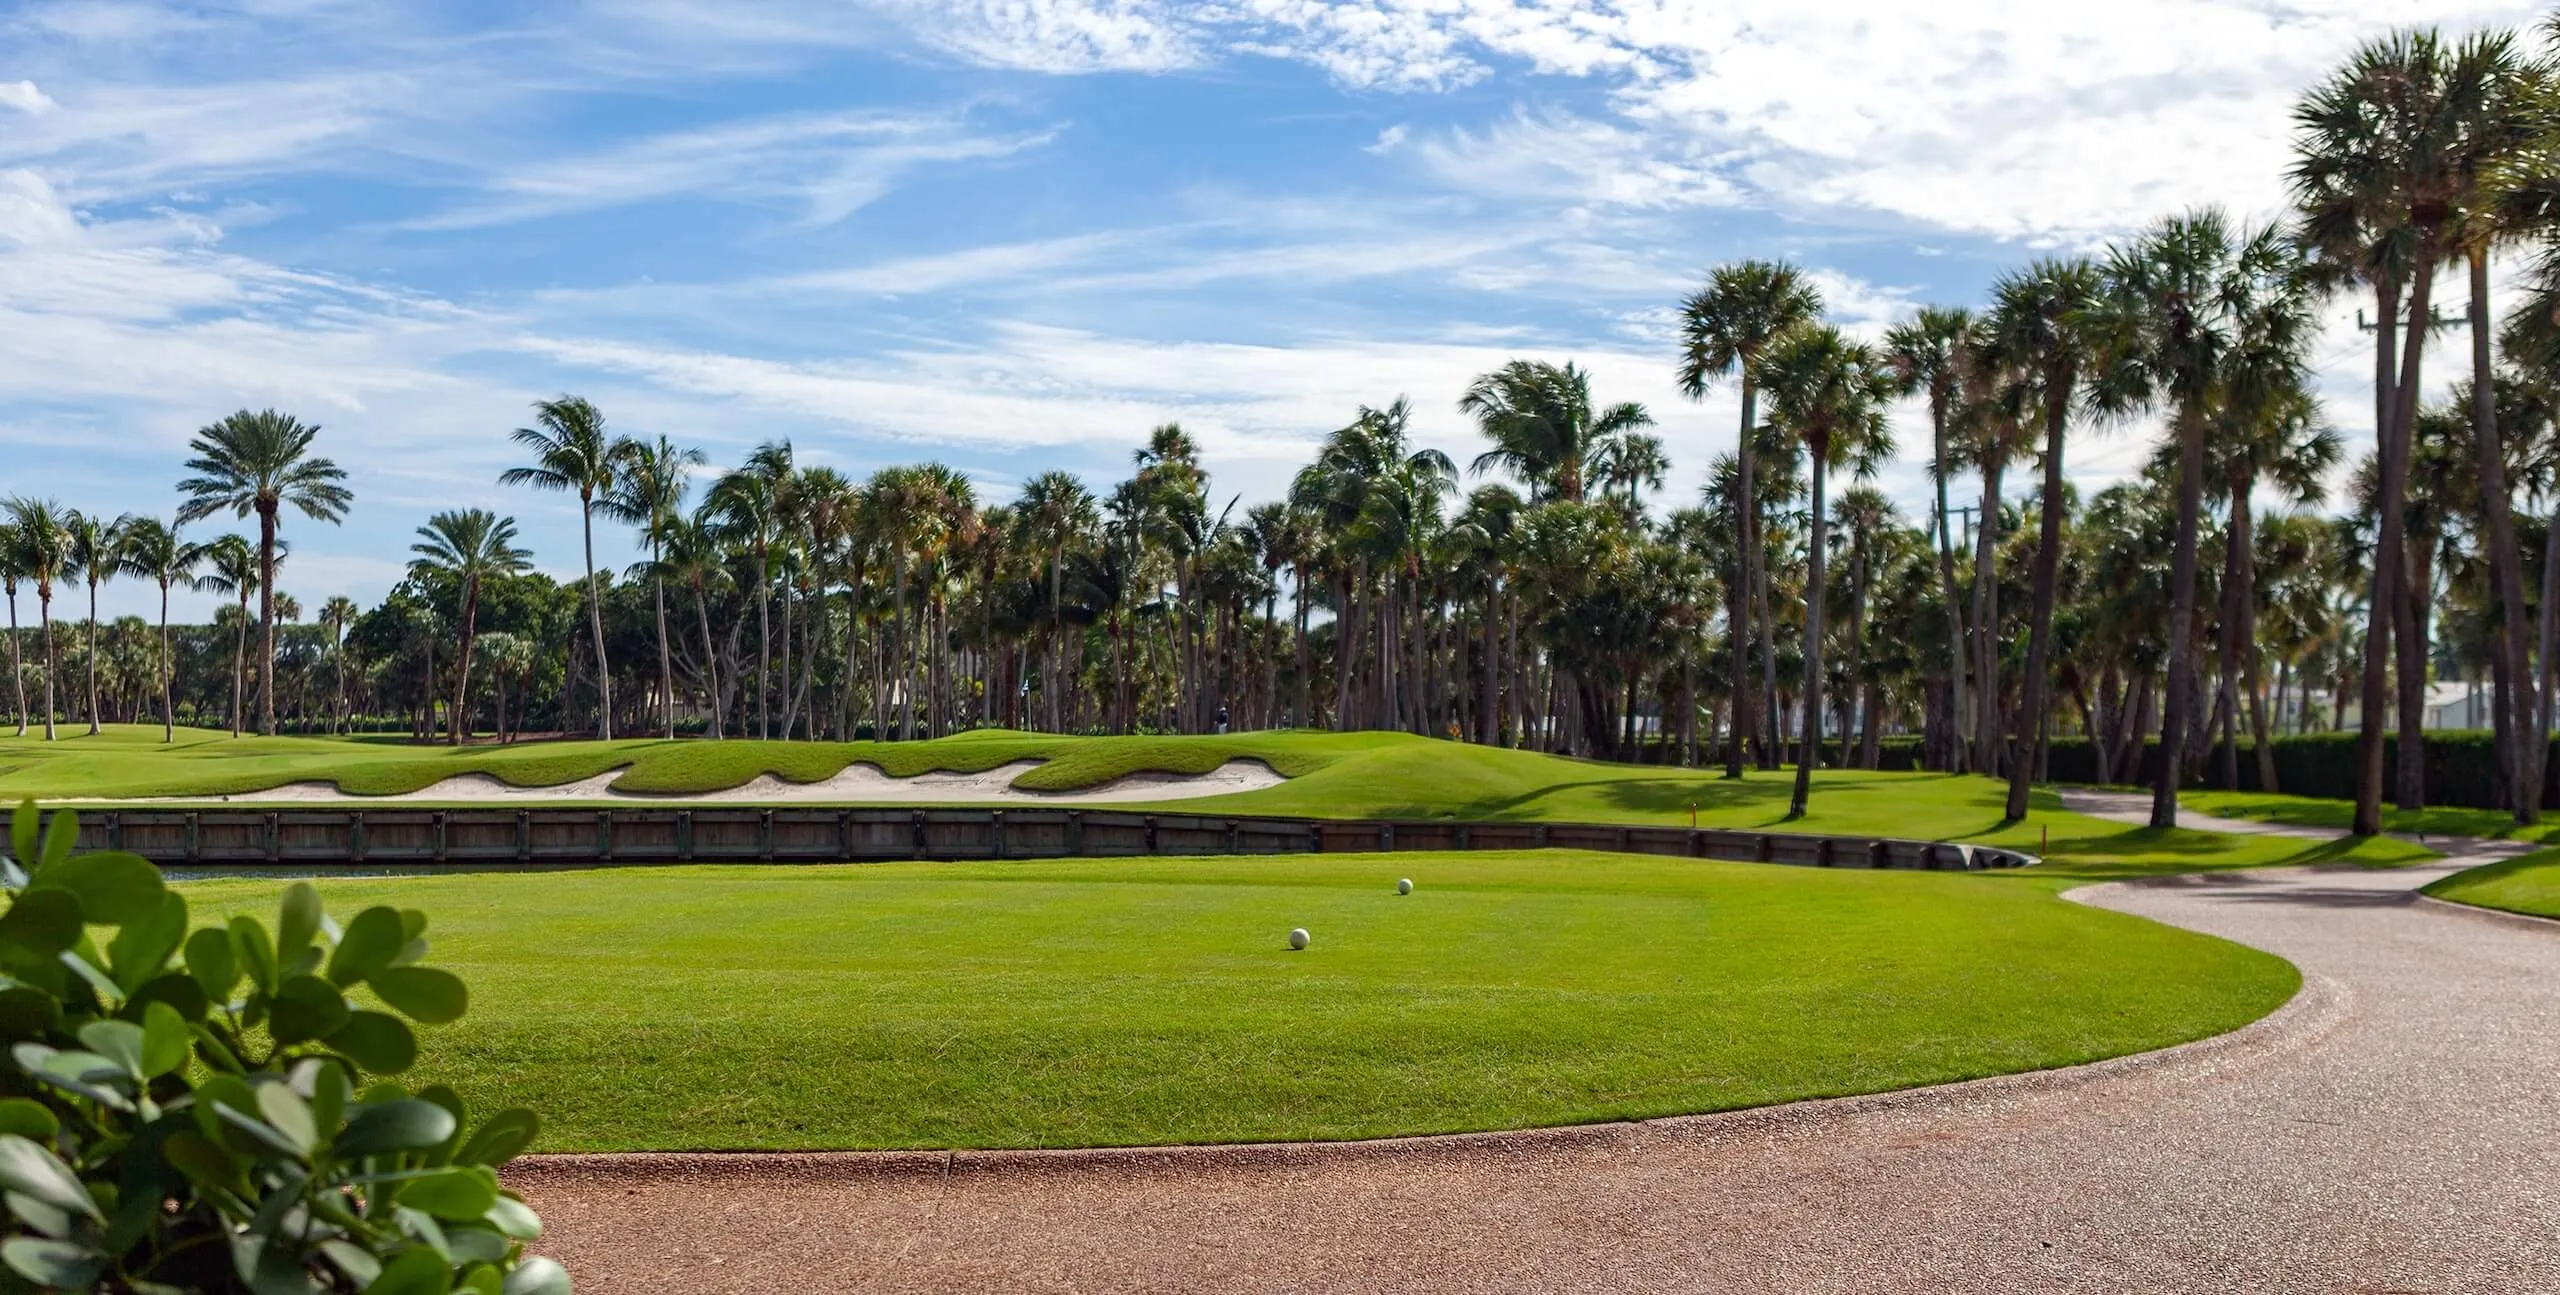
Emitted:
pixel 203 1110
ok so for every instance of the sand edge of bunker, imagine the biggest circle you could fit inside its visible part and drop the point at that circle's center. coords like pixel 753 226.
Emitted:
pixel 859 782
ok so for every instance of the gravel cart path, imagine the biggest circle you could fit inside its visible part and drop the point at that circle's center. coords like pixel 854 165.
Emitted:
pixel 2389 1130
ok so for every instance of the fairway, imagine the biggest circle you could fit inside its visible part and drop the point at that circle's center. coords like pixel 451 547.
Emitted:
pixel 1090 1002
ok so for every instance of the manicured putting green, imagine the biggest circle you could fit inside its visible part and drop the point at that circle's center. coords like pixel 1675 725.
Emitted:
pixel 1136 1001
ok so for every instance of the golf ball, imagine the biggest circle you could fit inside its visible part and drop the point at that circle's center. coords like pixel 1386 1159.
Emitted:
pixel 1404 886
pixel 1298 938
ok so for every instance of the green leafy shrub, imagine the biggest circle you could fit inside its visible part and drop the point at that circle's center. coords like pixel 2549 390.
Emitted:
pixel 2461 765
pixel 206 1110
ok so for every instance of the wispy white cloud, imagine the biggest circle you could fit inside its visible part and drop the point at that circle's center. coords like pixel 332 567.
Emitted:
pixel 828 165
pixel 26 97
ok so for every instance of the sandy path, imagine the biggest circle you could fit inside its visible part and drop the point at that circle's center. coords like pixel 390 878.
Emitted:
pixel 2388 1131
pixel 858 783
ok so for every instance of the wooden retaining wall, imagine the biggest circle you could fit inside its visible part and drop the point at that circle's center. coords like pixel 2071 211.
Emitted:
pixel 494 837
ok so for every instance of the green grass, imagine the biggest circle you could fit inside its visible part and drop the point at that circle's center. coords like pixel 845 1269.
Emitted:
pixel 1131 1001
pixel 2339 815
pixel 2527 884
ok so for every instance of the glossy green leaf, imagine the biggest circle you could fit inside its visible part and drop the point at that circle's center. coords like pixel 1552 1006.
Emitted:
pixel 22 833
pixel 367 946
pixel 482 1279
pixel 211 962
pixel 418 1271
pixel 31 1170
pixel 514 1218
pixel 144 945
pixel 358 1263
pixel 164 1040
pixel 174 989
pixel 500 1138
pixel 377 1041
pixel 113 887
pixel 36 1214
pixel 42 922
pixel 83 1073
pixel 257 955
pixel 329 1093
pixel 537 1276
pixel 297 922
pixel 28 1118
pixel 117 1041
pixel 403 1125
pixel 202 1160
pixel 306 1008
pixel 61 837
pixel 423 994
pixel 284 1111
pixel 100 983
pixel 55 1265
pixel 462 1193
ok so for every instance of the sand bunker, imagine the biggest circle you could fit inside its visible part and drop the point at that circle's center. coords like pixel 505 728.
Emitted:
pixel 858 783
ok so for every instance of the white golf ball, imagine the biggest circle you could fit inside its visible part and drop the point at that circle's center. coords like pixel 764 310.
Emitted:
pixel 1404 886
pixel 1299 939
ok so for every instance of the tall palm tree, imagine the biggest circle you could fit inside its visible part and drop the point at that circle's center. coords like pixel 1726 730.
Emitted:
pixel 233 569
pixel 41 533
pixel 1833 394
pixel 2197 317
pixel 1724 327
pixel 573 454
pixel 337 613
pixel 260 463
pixel 153 551
pixel 744 509
pixel 15 565
pixel 649 493
pixel 1867 515
pixel 94 544
pixel 2037 327
pixel 1056 512
pixel 466 548
pixel 2378 182
pixel 1928 356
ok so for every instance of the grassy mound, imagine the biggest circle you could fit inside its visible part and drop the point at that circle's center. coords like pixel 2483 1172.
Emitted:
pixel 1131 1001
pixel 2528 884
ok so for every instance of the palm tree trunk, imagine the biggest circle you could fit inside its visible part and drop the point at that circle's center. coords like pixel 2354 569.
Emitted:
pixel 2035 690
pixel 2414 625
pixel 2387 560
pixel 666 654
pixel 16 669
pixel 1956 640
pixel 168 676
pixel 239 667
pixel 2505 561
pixel 1811 752
pixel 2238 569
pixel 267 621
pixel 764 643
pixel 1746 506
pixel 93 656
pixel 457 723
pixel 1986 623
pixel 2548 636
pixel 1859 688
pixel 595 617
pixel 44 613
pixel 2182 612
pixel 710 666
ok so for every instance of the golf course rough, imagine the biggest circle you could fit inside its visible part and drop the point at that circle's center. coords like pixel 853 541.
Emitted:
pixel 1142 1001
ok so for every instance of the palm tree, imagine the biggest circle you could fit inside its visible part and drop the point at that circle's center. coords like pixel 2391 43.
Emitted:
pixel 153 551
pixel 744 508
pixel 2378 183
pixel 259 463
pixel 1724 327
pixel 2036 328
pixel 2204 319
pixel 1055 513
pixel 1544 429
pixel 649 493
pixel 1833 393
pixel 1928 354
pixel 15 565
pixel 94 542
pixel 573 454
pixel 1866 514
pixel 41 533
pixel 234 570
pixel 337 614
pixel 467 548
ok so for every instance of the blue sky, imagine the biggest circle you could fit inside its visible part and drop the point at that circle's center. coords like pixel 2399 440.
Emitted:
pixel 1015 234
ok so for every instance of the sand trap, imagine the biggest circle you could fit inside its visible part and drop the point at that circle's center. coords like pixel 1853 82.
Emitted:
pixel 857 783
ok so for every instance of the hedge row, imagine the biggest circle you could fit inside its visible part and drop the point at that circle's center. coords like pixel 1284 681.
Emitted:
pixel 2461 766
